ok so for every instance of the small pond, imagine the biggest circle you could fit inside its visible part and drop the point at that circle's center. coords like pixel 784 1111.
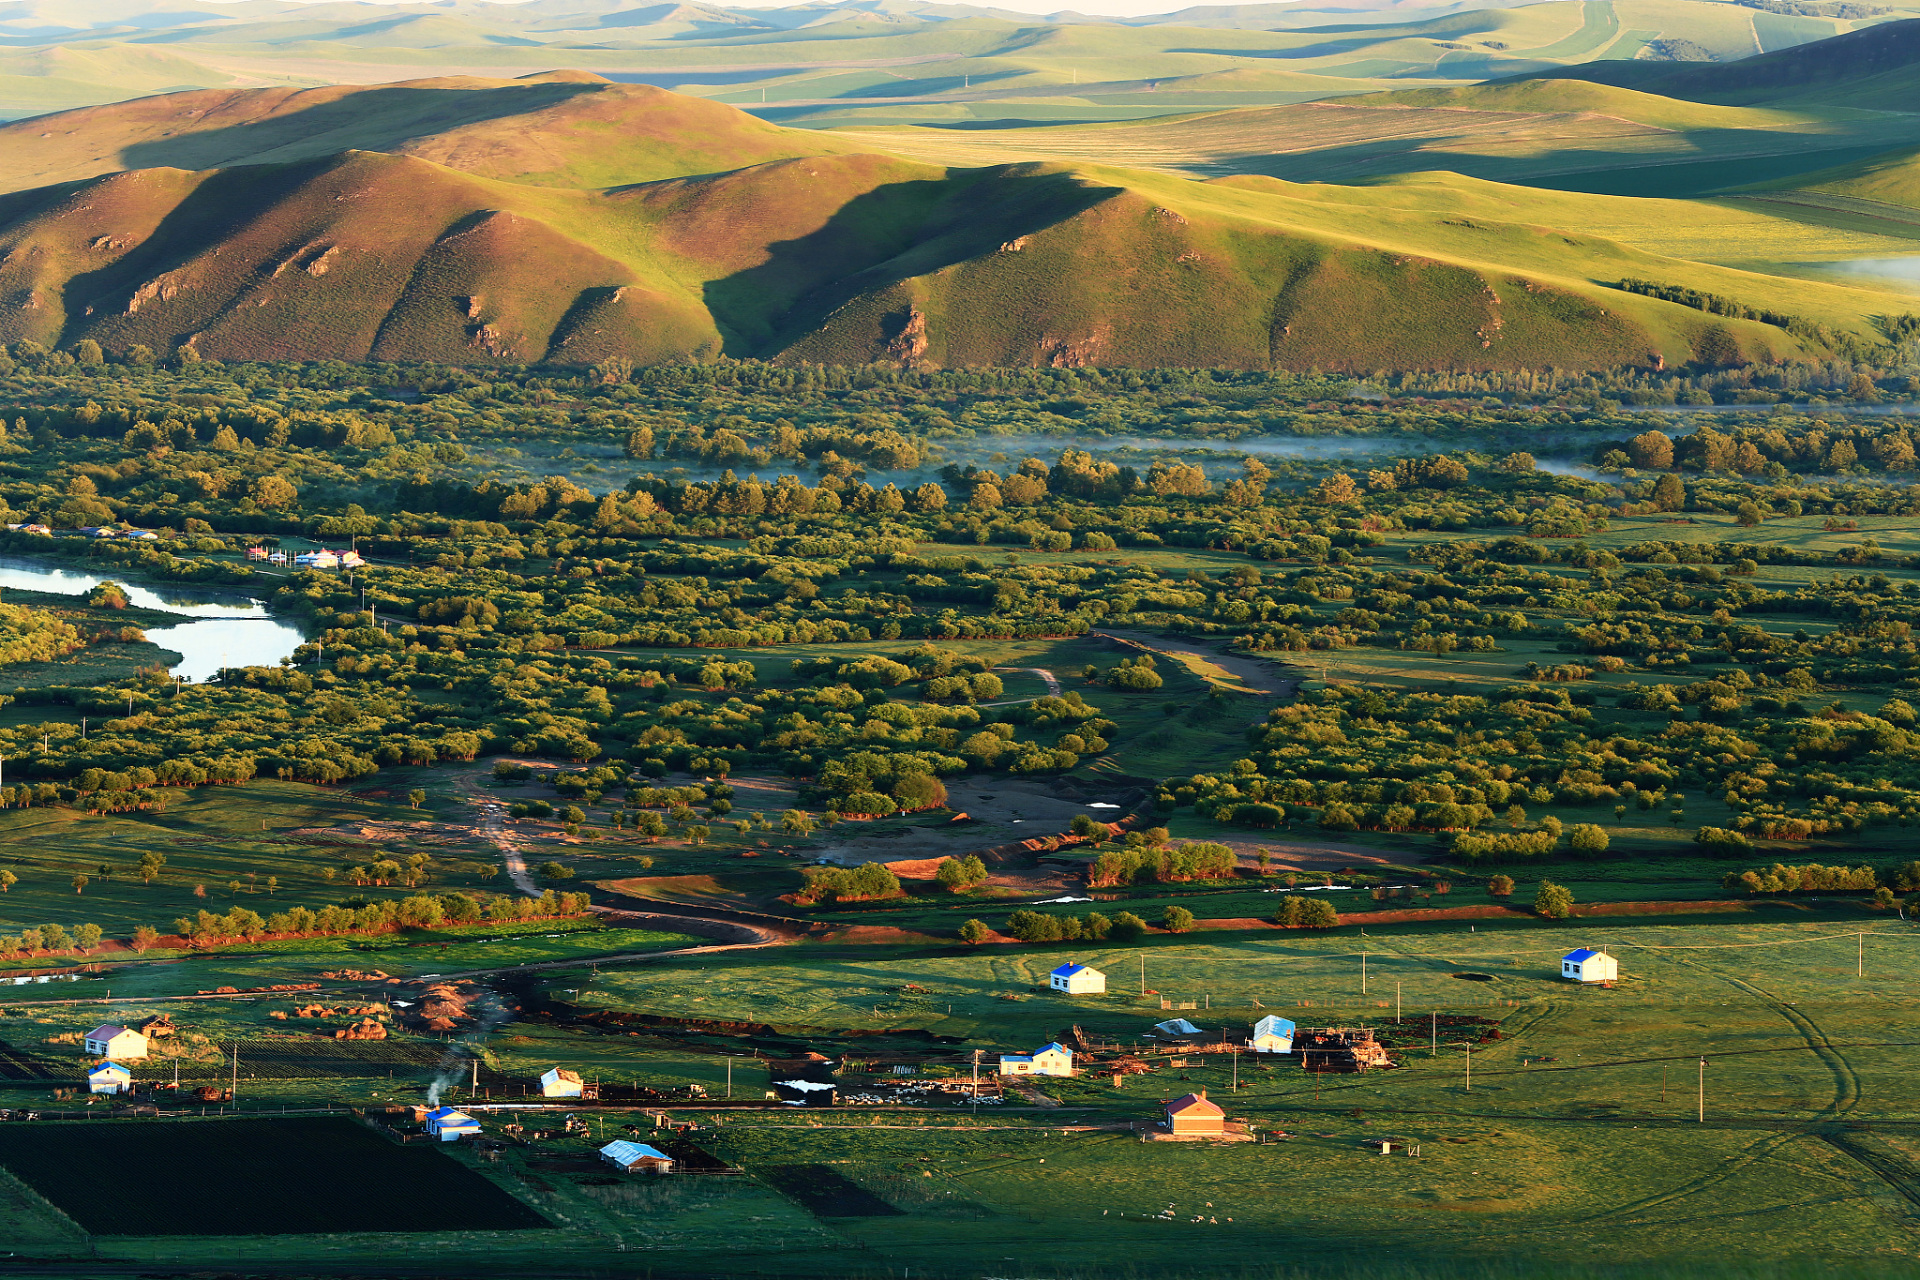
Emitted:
pixel 219 629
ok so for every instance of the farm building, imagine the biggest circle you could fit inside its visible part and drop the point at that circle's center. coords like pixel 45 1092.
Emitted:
pixel 1194 1115
pixel 111 1040
pixel 559 1082
pixel 1053 1059
pixel 1272 1035
pixel 109 1077
pixel 450 1123
pixel 1078 980
pixel 321 559
pixel 1589 966
pixel 636 1157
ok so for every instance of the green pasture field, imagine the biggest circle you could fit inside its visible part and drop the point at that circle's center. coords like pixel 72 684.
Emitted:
pixel 1806 1102
pixel 1806 1106
pixel 211 837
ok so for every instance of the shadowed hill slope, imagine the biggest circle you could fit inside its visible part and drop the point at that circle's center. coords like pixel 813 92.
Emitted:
pixel 848 259
pixel 1877 68
pixel 559 129
pixel 1892 178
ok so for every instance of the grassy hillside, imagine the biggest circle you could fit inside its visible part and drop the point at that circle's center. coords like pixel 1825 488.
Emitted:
pixel 1873 69
pixel 561 128
pixel 892 63
pixel 37 80
pixel 1893 178
pixel 451 247
pixel 848 258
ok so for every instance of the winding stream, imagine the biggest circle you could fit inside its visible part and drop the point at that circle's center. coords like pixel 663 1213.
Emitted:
pixel 221 629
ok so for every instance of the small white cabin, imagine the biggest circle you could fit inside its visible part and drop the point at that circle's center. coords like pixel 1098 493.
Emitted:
pixel 1078 980
pixel 636 1157
pixel 1272 1035
pixel 1053 1059
pixel 112 1040
pixel 450 1123
pixel 559 1082
pixel 1589 966
pixel 109 1077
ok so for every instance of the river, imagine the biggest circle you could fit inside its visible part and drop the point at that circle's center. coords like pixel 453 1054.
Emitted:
pixel 221 629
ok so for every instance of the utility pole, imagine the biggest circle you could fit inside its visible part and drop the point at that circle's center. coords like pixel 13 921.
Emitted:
pixel 1703 1091
pixel 1396 1002
pixel 234 1087
pixel 1433 1032
pixel 1363 973
pixel 1143 973
pixel 1663 1083
pixel 1860 955
pixel 1469 1068
pixel 729 1077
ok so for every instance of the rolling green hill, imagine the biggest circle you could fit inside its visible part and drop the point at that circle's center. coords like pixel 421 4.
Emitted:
pixel 561 128
pixel 846 258
pixel 1889 179
pixel 891 62
pixel 1564 134
pixel 1873 69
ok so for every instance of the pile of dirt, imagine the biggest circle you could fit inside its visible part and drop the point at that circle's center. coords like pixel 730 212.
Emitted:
pixel 365 1029
pixel 330 1011
pixel 355 975
pixel 449 1006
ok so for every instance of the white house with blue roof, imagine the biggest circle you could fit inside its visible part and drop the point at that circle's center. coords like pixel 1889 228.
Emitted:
pixel 109 1077
pixel 1053 1059
pixel 450 1124
pixel 1272 1034
pixel 1589 966
pixel 636 1157
pixel 1078 980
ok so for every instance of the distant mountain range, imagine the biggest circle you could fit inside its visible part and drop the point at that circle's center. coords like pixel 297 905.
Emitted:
pixel 566 218
pixel 880 61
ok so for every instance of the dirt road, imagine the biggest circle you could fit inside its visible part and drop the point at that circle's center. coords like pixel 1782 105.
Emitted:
pixel 1253 675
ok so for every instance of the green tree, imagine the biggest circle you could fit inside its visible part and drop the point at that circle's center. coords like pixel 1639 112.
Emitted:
pixel 144 936
pixel 1553 901
pixel 80 884
pixel 1500 886
pixel 87 935
pixel 555 871
pixel 7 880
pixel 974 933
pixel 1587 839
pixel 1177 920
pixel 1319 914
pixel 416 797
pixel 1128 927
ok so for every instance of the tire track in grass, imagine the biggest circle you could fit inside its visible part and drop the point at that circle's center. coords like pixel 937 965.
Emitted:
pixel 1846 1098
